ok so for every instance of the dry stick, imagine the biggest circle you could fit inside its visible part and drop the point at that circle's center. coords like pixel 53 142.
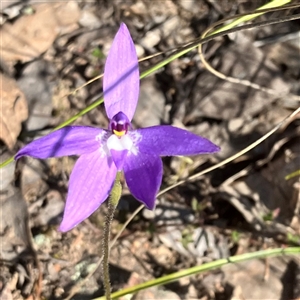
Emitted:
pixel 222 163
pixel 244 82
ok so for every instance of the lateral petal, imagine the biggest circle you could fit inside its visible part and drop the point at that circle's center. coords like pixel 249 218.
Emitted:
pixel 69 140
pixel 143 175
pixel 90 183
pixel 121 76
pixel 169 140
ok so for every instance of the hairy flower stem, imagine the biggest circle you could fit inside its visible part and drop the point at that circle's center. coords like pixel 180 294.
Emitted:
pixel 114 198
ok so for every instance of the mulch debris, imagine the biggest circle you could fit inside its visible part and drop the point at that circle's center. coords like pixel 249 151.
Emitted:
pixel 51 48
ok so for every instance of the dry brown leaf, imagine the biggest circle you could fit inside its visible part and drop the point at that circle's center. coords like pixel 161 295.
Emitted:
pixel 31 35
pixel 13 110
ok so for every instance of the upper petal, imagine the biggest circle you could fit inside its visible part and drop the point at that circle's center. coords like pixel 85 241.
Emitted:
pixel 143 175
pixel 70 140
pixel 90 183
pixel 121 76
pixel 169 140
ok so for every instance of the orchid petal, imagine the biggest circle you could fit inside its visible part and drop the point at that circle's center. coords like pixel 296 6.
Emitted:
pixel 119 148
pixel 169 140
pixel 119 158
pixel 70 140
pixel 90 184
pixel 121 76
pixel 143 175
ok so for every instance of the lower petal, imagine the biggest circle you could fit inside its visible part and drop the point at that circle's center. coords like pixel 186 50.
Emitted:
pixel 90 184
pixel 143 174
pixel 119 158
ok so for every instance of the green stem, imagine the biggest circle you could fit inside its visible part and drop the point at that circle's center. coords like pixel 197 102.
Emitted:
pixel 114 198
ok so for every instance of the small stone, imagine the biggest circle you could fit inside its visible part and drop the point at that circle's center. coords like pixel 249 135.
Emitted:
pixel 14 231
pixel 6 4
pixel 166 294
pixel 12 11
pixel 155 293
pixel 91 71
pixel 170 26
pixel 41 240
pixel 150 109
pixel 139 50
pixel 235 124
pixel 173 240
pixel 163 256
pixel 37 83
pixel 51 209
pixel 134 279
pixel 184 281
pixel 59 291
pixel 251 273
pixel 89 20
pixel 192 292
pixel 106 48
pixel 188 5
pixel 148 214
pixel 13 110
pixel 151 39
pixel 138 8
pixel 31 182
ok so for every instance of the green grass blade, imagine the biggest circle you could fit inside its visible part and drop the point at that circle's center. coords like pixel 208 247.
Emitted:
pixel 6 162
pixel 234 23
pixel 292 175
pixel 80 114
pixel 202 268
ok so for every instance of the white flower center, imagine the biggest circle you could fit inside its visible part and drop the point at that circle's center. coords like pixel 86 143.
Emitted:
pixel 119 144
pixel 109 142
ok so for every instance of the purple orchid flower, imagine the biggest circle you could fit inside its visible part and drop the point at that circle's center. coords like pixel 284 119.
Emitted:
pixel 120 148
